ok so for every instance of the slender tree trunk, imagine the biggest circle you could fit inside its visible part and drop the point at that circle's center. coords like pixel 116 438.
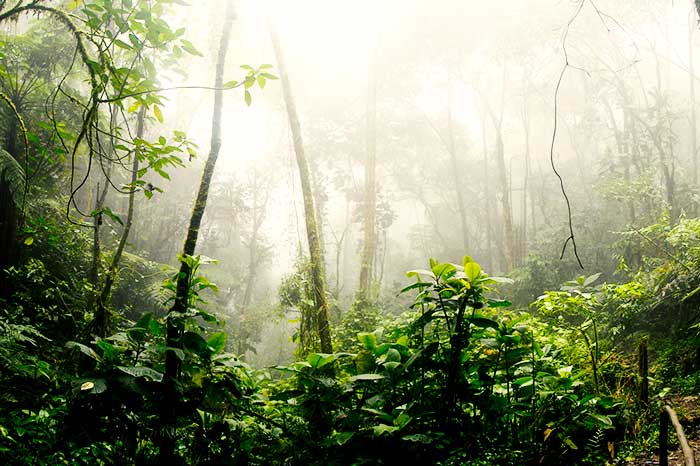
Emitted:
pixel 507 213
pixel 370 197
pixel 504 191
pixel 167 439
pixel 693 114
pixel 456 178
pixel 528 169
pixel 101 324
pixel 101 195
pixel 312 232
pixel 487 198
pixel 94 271
pixel 254 253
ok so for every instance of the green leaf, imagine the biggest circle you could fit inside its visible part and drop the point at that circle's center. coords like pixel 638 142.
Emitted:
pixel 248 98
pixel 261 82
pixel 341 438
pixel 383 429
pixel 318 360
pixel 418 272
pixel 416 285
pixel 189 48
pixel 504 280
pixel 217 342
pixel 368 340
pixel 367 377
pixel 133 107
pixel 592 279
pixel 92 386
pixel 194 342
pixel 86 350
pixel 499 303
pixel 122 44
pixel 601 420
pixel 158 114
pixel 444 270
pixel 230 85
pixel 145 372
pixel 483 322
pixel 108 212
pixel 472 270
pixel 29 240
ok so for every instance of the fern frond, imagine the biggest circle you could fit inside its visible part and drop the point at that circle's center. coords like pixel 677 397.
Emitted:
pixel 12 176
pixel 14 340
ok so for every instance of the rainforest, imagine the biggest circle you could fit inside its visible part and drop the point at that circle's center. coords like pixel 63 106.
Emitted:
pixel 321 232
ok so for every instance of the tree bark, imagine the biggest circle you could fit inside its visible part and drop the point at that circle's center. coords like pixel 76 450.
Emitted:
pixel 167 439
pixel 456 179
pixel 370 197
pixel 312 231
pixel 101 326
pixel 693 114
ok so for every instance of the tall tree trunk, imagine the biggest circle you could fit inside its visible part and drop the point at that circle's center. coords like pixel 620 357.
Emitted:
pixel 101 195
pixel 487 199
pixel 456 179
pixel 175 324
pixel 312 231
pixel 693 114
pixel 254 253
pixel 101 324
pixel 370 197
pixel 528 169
pixel 504 189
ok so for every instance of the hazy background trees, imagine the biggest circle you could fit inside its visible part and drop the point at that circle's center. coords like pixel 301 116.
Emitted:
pixel 427 128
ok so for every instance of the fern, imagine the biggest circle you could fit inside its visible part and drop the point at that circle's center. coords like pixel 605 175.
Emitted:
pixel 12 176
pixel 13 342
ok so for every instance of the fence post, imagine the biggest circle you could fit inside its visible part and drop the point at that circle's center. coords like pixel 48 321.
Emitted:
pixel 663 439
pixel 668 416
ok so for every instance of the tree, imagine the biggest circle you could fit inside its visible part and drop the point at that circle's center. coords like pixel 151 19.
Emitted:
pixel 175 321
pixel 312 227
pixel 370 192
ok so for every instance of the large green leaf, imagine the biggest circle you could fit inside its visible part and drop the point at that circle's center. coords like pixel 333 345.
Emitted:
pixel 366 377
pixel 444 270
pixel 86 350
pixel 217 342
pixel 368 340
pixel 472 270
pixel 318 360
pixel 145 372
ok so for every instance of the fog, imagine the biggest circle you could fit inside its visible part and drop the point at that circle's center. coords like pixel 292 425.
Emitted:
pixel 479 105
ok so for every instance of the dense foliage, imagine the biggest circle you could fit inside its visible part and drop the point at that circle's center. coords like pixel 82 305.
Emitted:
pixel 105 331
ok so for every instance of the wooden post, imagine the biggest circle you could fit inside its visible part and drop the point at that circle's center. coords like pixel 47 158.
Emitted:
pixel 669 415
pixel 663 439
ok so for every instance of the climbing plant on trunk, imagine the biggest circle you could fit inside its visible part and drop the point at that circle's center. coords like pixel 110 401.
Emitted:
pixel 175 322
pixel 312 230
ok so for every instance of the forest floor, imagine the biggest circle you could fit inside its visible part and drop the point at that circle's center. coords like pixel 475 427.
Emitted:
pixel 688 410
